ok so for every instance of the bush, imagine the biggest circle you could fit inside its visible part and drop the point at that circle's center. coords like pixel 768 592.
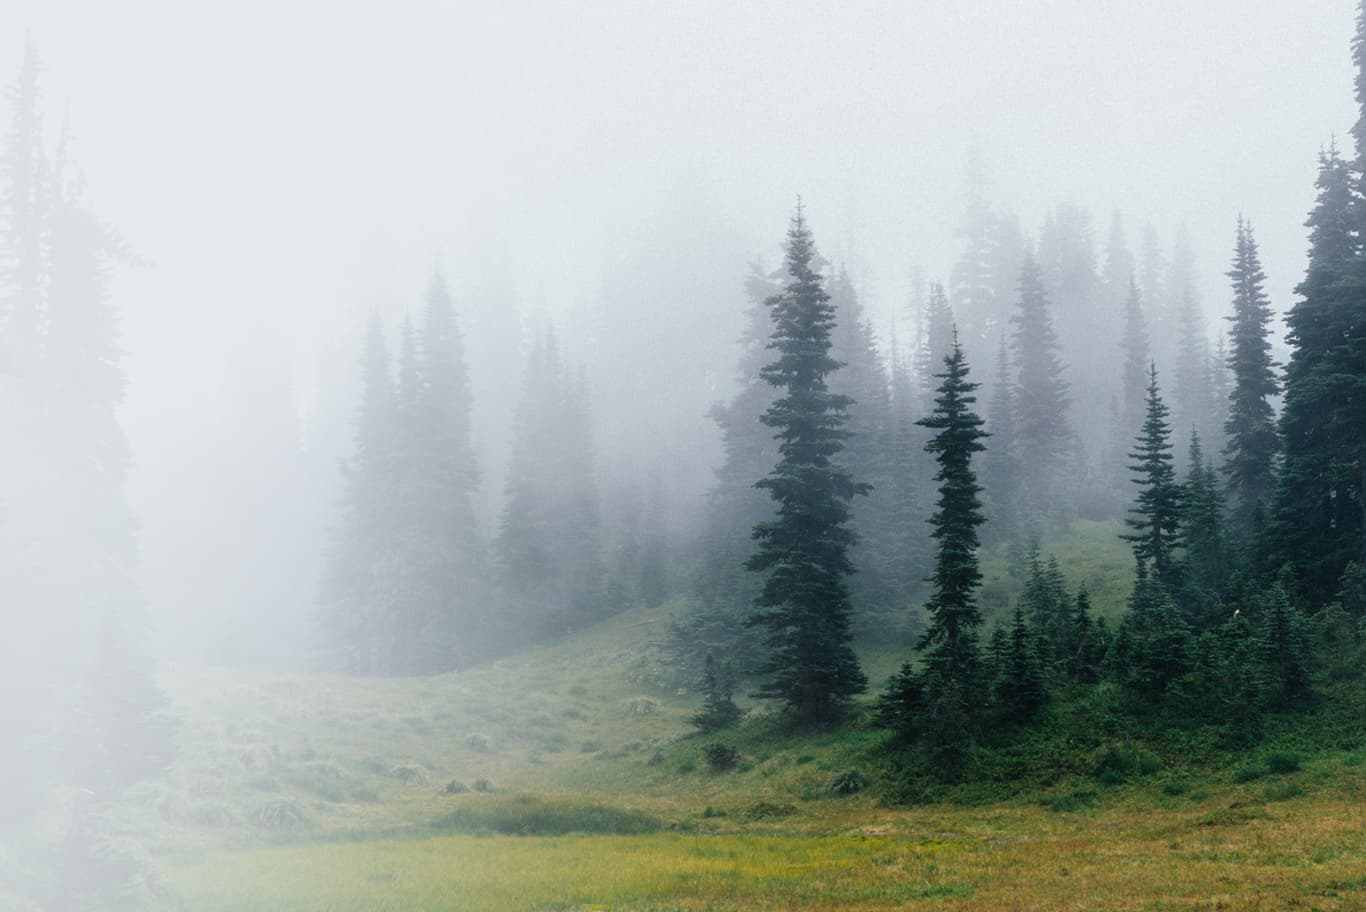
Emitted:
pixel 1282 762
pixel 1249 772
pixel 1072 801
pixel 767 810
pixel 722 757
pixel 455 787
pixel 1118 761
pixel 277 814
pixel 477 743
pixel 804 759
pixel 848 782
pixel 411 773
pixel 1175 787
pixel 482 785
pixel 687 766
pixel 709 812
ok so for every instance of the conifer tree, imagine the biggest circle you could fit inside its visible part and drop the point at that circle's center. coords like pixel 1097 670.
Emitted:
pixel 1000 465
pixel 360 581
pixel 724 588
pixel 1020 692
pixel 1137 356
pixel 1203 531
pixel 1159 648
pixel 942 701
pixel 719 710
pixel 938 339
pixel 1156 518
pixel 804 606
pixel 549 547
pixel 1043 435
pixel 1319 520
pixel 1282 651
pixel 867 455
pixel 1253 444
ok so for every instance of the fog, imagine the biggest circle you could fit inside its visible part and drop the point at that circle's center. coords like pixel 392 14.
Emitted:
pixel 283 172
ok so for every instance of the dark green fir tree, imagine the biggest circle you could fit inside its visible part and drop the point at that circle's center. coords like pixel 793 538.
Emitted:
pixel 804 606
pixel 1156 519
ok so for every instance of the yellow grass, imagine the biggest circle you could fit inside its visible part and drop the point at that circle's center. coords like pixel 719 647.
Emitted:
pixel 1305 854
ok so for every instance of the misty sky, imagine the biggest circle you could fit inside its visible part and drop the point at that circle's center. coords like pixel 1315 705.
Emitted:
pixel 287 167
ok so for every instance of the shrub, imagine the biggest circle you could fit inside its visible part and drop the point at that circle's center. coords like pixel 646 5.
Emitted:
pixel 1073 801
pixel 482 785
pixel 804 759
pixel 477 743
pixel 687 766
pixel 722 757
pixel 277 814
pixel 1175 787
pixel 1249 772
pixel 590 747
pixel 1282 762
pixel 1120 760
pixel 657 758
pixel 455 787
pixel 411 773
pixel 848 782
pixel 709 812
pixel 767 810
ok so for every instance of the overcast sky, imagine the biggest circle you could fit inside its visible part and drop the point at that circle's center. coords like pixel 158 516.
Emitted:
pixel 287 167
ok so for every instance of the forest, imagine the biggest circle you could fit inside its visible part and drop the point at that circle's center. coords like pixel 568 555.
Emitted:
pixel 1057 527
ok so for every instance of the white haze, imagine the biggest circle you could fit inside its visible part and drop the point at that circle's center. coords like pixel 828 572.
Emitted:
pixel 287 168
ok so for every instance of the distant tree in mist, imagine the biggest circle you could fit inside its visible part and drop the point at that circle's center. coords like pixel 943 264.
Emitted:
pixel 83 711
pixel 938 338
pixel 1001 464
pixel 804 605
pixel 724 589
pixel 549 546
pixel 1043 431
pixel 1250 428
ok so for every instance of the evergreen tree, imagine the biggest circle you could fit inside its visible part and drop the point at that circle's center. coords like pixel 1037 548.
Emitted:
pixel 360 582
pixel 1159 647
pixel 1319 520
pixel 1000 465
pixel 1157 511
pixel 1045 604
pixel 943 701
pixel 719 710
pixel 549 547
pixel 1044 438
pixel 970 281
pixel 444 540
pixel 868 456
pixel 1087 641
pixel 1020 692
pixel 725 590
pixel 1137 356
pixel 1282 651
pixel 1203 524
pixel 938 339
pixel 804 606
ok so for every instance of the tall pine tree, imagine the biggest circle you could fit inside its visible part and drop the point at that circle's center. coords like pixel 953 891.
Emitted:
pixel 804 606
pixel 1253 444
pixel 1156 518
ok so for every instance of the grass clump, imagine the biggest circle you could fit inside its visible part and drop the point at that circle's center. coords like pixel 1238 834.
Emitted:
pixel 277 814
pixel 847 782
pixel 529 816
pixel 1281 791
pixel 1249 772
pixel 769 810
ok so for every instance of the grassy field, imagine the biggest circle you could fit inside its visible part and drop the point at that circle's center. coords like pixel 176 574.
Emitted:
pixel 568 778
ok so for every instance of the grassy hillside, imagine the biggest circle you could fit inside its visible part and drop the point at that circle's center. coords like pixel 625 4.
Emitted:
pixel 569 778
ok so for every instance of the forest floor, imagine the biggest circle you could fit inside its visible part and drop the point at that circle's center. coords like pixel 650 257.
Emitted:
pixel 569 778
